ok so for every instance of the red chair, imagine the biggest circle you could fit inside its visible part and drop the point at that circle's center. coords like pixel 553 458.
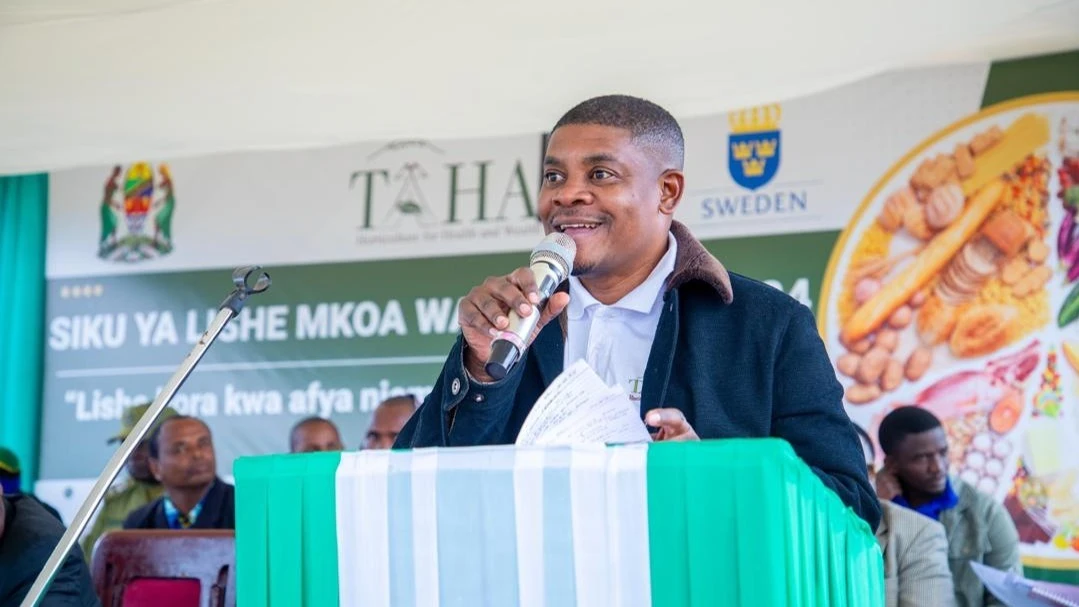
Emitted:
pixel 162 568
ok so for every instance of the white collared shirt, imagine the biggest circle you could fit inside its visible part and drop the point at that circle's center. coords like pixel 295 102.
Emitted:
pixel 615 340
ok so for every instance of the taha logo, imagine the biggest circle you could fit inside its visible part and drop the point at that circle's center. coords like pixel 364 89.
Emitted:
pixel 136 224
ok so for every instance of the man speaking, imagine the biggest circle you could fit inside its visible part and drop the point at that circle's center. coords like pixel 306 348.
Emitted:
pixel 709 354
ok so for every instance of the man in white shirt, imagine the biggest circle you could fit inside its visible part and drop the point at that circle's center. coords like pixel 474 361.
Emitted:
pixel 615 339
pixel 649 308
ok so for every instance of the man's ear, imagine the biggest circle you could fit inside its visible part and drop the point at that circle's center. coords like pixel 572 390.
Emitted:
pixel 672 185
pixel 155 469
pixel 889 464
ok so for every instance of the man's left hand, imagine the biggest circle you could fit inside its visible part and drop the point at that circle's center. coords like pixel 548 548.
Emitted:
pixel 672 425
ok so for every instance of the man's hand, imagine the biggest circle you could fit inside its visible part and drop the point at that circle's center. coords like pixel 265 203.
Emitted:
pixel 672 425
pixel 888 484
pixel 485 311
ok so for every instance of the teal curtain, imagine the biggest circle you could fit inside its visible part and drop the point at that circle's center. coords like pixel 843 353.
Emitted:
pixel 23 213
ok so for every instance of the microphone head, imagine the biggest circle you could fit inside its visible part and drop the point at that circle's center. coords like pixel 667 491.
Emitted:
pixel 556 250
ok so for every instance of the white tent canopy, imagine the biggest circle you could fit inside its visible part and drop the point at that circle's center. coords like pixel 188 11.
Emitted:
pixel 97 81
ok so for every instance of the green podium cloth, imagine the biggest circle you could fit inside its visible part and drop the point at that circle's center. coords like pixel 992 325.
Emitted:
pixel 728 522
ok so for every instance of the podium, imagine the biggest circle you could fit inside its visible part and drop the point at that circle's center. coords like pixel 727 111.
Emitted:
pixel 726 522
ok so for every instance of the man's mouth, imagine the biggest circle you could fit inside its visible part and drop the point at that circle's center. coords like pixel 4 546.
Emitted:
pixel 575 227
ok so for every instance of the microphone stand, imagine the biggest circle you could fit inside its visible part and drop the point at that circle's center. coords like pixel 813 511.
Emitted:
pixel 247 281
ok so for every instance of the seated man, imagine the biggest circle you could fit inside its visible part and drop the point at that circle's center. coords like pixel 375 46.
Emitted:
pixel 11 479
pixel 708 354
pixel 182 459
pixel 140 487
pixel 314 434
pixel 386 422
pixel 915 550
pixel 28 535
pixel 915 475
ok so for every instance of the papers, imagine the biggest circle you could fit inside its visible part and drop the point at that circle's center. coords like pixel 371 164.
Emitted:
pixel 578 407
pixel 1017 591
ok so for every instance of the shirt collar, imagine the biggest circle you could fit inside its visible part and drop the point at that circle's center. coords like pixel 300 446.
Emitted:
pixel 172 513
pixel 945 501
pixel 641 299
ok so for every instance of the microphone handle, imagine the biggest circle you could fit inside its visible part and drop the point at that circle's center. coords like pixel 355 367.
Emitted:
pixel 510 344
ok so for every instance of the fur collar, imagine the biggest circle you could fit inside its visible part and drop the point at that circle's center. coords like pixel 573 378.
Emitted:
pixel 694 263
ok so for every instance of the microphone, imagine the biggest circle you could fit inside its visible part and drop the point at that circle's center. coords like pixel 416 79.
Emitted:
pixel 551 263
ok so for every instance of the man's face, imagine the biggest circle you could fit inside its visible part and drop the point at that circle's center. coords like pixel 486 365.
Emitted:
pixel 921 461
pixel 138 466
pixel 186 455
pixel 386 424
pixel 609 194
pixel 316 436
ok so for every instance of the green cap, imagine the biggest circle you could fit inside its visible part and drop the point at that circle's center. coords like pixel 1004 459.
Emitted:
pixel 9 462
pixel 133 414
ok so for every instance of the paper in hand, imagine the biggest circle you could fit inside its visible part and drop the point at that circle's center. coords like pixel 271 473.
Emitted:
pixel 578 407
pixel 1017 591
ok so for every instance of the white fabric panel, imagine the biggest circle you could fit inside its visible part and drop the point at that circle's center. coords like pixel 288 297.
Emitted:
pixel 588 472
pixel 373 541
pixel 627 526
pixel 102 81
pixel 348 556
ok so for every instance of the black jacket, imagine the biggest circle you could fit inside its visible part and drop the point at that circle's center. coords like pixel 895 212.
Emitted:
pixel 30 535
pixel 218 511
pixel 739 358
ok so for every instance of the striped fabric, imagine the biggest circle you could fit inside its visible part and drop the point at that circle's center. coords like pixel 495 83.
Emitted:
pixel 735 522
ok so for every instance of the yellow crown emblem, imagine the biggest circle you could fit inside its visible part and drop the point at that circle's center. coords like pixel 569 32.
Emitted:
pixel 742 150
pixel 755 120
pixel 753 167
pixel 753 164
pixel 766 148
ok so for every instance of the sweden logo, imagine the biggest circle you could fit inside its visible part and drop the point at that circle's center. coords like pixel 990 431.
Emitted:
pixel 754 146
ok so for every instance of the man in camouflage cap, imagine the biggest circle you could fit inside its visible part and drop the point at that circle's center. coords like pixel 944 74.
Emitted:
pixel 138 489
pixel 11 479
pixel 10 471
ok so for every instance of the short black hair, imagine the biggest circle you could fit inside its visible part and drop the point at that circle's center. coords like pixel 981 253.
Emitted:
pixel 901 423
pixel 648 123
pixel 860 431
pixel 155 436
pixel 409 399
pixel 306 422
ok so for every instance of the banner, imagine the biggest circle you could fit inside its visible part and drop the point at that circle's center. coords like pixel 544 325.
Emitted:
pixel 926 217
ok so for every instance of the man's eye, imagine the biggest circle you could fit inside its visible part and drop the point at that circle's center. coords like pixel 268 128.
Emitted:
pixel 552 177
pixel 601 174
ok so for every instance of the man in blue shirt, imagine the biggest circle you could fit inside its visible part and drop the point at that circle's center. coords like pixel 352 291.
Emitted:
pixel 182 458
pixel 915 476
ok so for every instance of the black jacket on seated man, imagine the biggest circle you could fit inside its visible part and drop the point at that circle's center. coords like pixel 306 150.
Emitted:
pixel 28 535
pixel 217 510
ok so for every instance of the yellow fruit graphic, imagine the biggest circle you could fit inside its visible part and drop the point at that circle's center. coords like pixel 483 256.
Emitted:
pixel 1071 353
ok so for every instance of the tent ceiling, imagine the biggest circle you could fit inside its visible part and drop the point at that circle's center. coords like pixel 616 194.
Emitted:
pixel 95 81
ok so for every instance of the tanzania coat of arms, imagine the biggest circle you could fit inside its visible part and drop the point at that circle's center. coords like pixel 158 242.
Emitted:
pixel 136 222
